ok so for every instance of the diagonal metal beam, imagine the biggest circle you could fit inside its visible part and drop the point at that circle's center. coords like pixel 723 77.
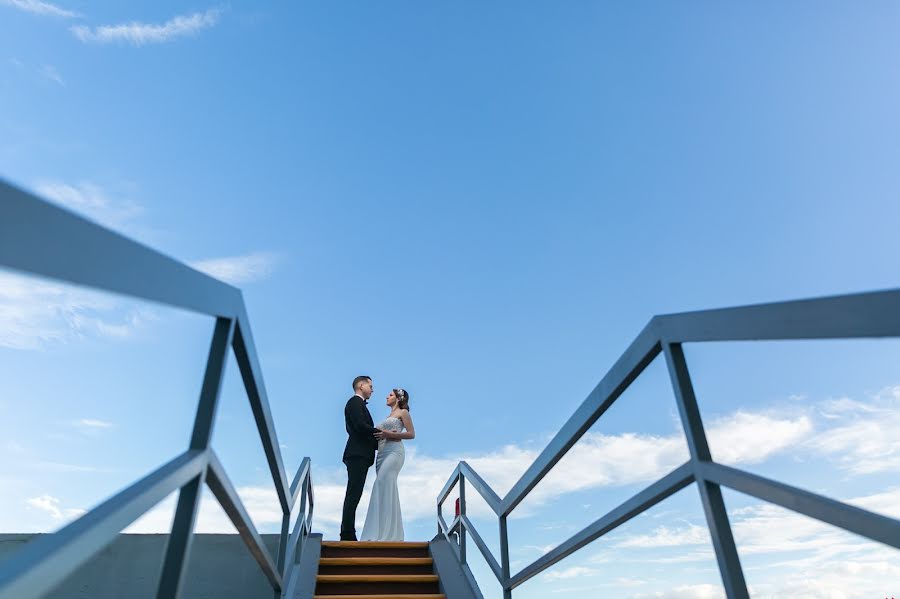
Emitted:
pixel 231 503
pixel 46 561
pixel 710 493
pixel 251 373
pixel 627 368
pixel 658 491
pixel 482 546
pixel 448 487
pixel 862 522
pixel 486 492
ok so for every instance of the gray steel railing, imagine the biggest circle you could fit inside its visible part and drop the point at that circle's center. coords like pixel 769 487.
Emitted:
pixel 39 238
pixel 852 316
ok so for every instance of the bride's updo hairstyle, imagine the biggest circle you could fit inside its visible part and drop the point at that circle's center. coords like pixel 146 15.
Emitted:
pixel 402 399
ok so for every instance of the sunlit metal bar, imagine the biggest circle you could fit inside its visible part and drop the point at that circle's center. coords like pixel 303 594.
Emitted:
pixel 299 478
pixel 40 238
pixel 486 492
pixel 873 314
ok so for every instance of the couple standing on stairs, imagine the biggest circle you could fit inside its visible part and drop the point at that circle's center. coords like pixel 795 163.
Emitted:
pixel 383 520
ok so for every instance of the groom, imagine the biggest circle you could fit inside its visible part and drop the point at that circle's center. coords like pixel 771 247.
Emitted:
pixel 359 454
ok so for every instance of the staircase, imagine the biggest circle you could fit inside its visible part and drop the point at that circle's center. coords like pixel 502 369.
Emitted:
pixel 376 570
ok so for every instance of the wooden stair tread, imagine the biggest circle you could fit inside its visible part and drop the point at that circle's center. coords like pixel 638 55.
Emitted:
pixel 375 561
pixel 350 578
pixel 387 596
pixel 375 544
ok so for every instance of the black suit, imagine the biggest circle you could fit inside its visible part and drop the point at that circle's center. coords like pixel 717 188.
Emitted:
pixel 359 455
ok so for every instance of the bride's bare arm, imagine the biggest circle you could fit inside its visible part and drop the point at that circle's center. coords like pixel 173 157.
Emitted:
pixel 409 433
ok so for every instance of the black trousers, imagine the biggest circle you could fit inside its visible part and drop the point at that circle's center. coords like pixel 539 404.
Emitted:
pixel 357 469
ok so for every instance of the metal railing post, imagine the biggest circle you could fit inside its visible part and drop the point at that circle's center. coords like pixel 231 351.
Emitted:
pixel 710 493
pixel 179 545
pixel 504 558
pixel 462 512
pixel 282 548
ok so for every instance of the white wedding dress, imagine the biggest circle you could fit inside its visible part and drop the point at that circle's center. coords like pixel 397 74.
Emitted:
pixel 383 520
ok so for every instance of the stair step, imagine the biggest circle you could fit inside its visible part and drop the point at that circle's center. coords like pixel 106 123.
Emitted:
pixel 335 549
pixel 360 563
pixel 358 578
pixel 389 596
pixel 375 561
pixel 375 544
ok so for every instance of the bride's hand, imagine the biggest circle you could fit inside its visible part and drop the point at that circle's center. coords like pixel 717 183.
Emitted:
pixel 379 434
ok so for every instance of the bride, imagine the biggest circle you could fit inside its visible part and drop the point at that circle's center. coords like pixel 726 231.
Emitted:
pixel 383 520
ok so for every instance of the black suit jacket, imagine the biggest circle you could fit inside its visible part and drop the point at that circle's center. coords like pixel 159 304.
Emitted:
pixel 361 442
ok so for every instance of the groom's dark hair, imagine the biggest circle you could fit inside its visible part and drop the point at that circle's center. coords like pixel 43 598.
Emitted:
pixel 361 378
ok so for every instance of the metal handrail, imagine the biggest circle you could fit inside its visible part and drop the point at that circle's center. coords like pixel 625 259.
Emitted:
pixel 865 315
pixel 39 238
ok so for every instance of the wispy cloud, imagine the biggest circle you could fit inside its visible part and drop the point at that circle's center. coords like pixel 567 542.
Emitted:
pixel 35 313
pixel 49 72
pixel 573 572
pixel 38 7
pixel 803 557
pixel 91 200
pixel 685 591
pixel 70 468
pixel 239 270
pixel 13 447
pixel 50 505
pixel 663 536
pixel 92 424
pixel 140 34
pixel 866 441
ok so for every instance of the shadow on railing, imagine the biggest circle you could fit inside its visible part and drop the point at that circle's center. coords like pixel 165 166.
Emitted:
pixel 852 316
pixel 41 239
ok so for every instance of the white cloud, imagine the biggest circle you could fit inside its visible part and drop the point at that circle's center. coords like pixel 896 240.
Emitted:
pixel 50 505
pixel 50 72
pixel 38 7
pixel 91 423
pixel 261 503
pixel 69 468
pixel 139 34
pixel 596 461
pixel 663 536
pixel 13 447
pixel 35 313
pixel 748 438
pixel 865 439
pixel 574 572
pixel 800 556
pixel 687 591
pixel 239 270
pixel 90 200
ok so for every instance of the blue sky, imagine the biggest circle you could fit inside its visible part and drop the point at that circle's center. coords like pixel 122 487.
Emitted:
pixel 482 203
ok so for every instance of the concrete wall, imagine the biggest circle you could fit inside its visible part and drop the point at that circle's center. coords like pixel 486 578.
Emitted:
pixel 220 567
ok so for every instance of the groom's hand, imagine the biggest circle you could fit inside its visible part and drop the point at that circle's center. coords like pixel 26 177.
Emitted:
pixel 379 434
